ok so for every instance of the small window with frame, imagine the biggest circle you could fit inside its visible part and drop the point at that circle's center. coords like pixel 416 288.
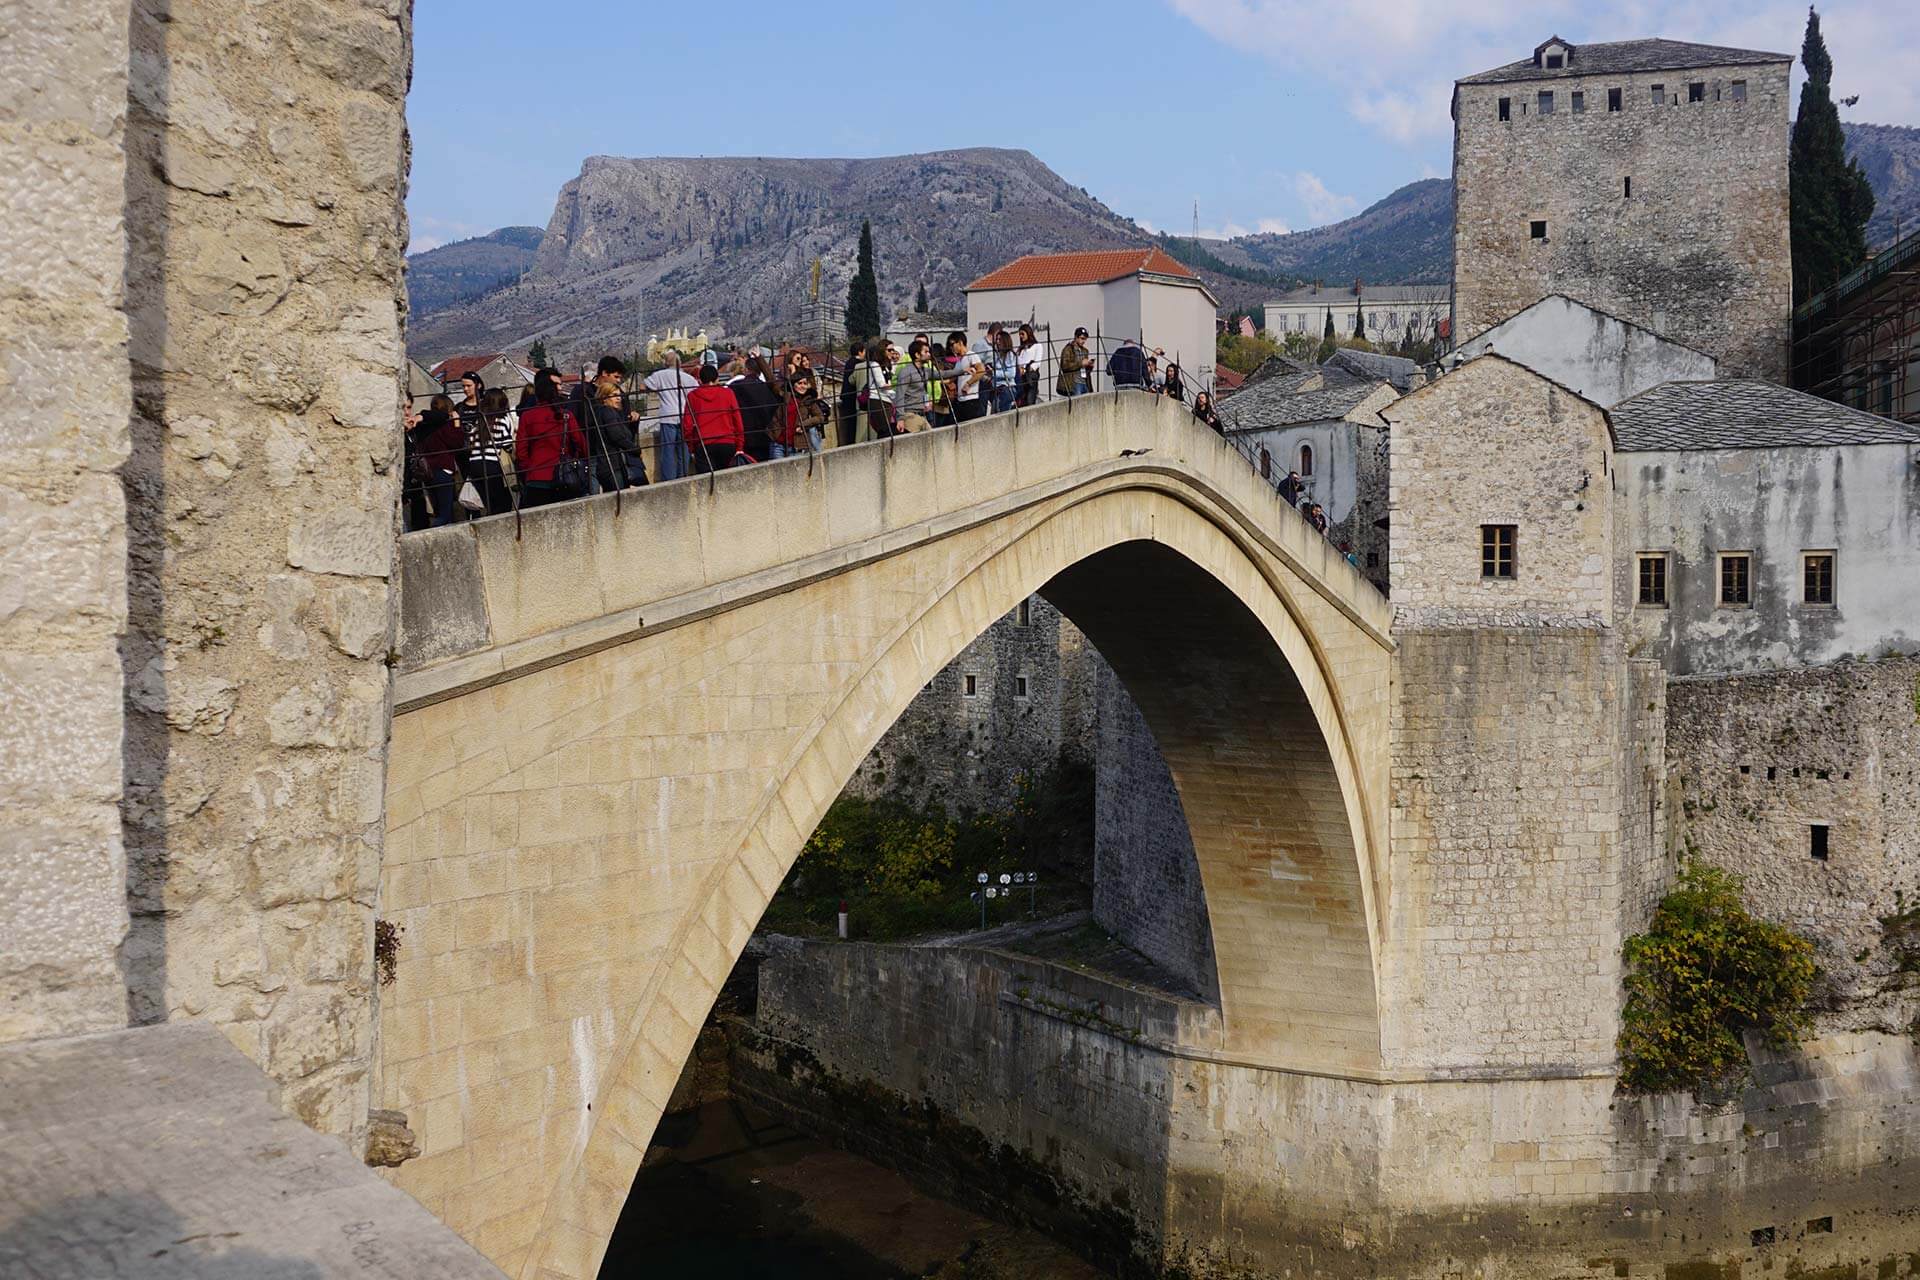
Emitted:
pixel 1738 90
pixel 1577 102
pixel 1497 550
pixel 1020 687
pixel 1697 91
pixel 1659 94
pixel 1506 108
pixel 1652 580
pixel 1546 102
pixel 1537 229
pixel 970 686
pixel 1613 100
pixel 1736 579
pixel 1023 616
pixel 1816 576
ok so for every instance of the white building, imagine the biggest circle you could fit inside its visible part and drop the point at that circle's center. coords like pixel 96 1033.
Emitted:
pixel 1600 356
pixel 1389 310
pixel 1121 293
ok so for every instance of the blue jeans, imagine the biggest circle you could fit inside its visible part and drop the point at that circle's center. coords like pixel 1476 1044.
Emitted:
pixel 1003 399
pixel 443 487
pixel 673 452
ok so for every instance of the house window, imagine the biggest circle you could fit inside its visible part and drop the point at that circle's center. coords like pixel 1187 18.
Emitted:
pixel 1653 579
pixel 1697 91
pixel 1736 579
pixel 1555 61
pixel 1306 460
pixel 1816 572
pixel 1538 229
pixel 1659 92
pixel 1506 108
pixel 1266 464
pixel 1613 99
pixel 1739 88
pixel 970 686
pixel 1578 102
pixel 1023 616
pixel 1626 187
pixel 1019 686
pixel 1546 102
pixel 1496 550
pixel 1817 841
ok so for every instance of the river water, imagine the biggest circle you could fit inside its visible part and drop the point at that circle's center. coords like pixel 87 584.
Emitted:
pixel 727 1193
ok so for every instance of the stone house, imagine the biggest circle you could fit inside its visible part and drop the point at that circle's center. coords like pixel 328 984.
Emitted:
pixel 1600 356
pixel 1390 310
pixel 1141 294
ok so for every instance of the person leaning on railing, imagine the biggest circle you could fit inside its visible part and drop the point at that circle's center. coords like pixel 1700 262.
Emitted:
pixel 716 433
pixel 548 436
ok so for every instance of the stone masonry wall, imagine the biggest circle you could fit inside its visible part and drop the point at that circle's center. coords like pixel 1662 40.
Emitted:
pixel 968 751
pixel 63 600
pixel 1755 761
pixel 266 160
pixel 1698 252
pixel 1092 1109
pixel 1146 878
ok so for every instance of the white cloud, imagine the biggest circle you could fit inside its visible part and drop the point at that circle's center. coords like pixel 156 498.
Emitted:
pixel 428 232
pixel 1272 227
pixel 1227 230
pixel 1322 206
pixel 1394 61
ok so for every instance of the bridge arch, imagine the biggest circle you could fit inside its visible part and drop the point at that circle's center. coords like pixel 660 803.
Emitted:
pixel 1266 696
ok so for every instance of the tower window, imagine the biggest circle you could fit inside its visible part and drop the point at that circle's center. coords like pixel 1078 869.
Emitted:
pixel 1496 550
pixel 970 686
pixel 1659 92
pixel 1817 841
pixel 1736 579
pixel 1023 616
pixel 1653 579
pixel 1306 460
pixel 1626 187
pixel 1817 576
pixel 1697 91
pixel 1578 102
pixel 1538 229
pixel 1546 102
pixel 1613 99
pixel 1506 108
pixel 1019 686
pixel 1739 88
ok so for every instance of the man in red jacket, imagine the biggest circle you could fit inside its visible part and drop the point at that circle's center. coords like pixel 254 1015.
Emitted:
pixel 714 429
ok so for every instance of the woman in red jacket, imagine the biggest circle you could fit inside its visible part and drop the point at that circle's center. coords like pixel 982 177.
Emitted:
pixel 714 429
pixel 548 435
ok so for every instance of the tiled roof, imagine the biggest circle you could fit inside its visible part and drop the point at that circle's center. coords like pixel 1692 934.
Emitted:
pixel 1270 404
pixel 1744 413
pixel 1225 379
pixel 1278 366
pixel 1623 57
pixel 1372 364
pixel 1038 270
pixel 453 368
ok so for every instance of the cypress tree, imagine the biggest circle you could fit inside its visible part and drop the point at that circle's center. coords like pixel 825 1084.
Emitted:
pixel 1831 199
pixel 537 353
pixel 863 293
pixel 1327 347
pixel 920 299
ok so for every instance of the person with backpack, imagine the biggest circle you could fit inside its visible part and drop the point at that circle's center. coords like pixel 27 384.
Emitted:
pixel 716 434
pixel 1128 366
pixel 550 451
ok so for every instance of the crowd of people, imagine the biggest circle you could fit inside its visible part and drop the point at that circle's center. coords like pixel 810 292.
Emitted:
pixel 481 455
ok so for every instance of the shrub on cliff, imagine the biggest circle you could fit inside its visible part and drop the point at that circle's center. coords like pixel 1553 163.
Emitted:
pixel 1705 972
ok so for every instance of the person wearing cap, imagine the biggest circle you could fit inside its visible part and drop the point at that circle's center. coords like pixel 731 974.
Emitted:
pixel 1074 361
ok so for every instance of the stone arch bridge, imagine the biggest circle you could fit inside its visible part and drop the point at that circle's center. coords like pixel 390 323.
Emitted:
pixel 617 721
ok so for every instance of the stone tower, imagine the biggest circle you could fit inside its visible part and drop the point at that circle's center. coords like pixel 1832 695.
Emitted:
pixel 1647 178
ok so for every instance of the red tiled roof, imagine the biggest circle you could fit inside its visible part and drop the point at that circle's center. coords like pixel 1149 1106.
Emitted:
pixel 453 368
pixel 1225 379
pixel 1038 270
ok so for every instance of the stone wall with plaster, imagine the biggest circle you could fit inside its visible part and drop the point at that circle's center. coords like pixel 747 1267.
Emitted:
pixel 63 520
pixel 1757 762
pixel 266 168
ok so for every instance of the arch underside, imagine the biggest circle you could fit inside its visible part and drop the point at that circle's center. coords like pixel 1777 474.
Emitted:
pixel 719 796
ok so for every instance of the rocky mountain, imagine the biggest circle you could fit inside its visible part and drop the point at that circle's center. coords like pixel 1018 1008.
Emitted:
pixel 1890 154
pixel 453 273
pixel 1406 238
pixel 635 246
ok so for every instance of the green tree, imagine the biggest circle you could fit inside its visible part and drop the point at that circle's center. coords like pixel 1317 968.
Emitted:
pixel 1298 345
pixel 1242 355
pixel 1359 317
pixel 1327 344
pixel 537 354
pixel 1831 199
pixel 863 292
pixel 1705 972
pixel 920 299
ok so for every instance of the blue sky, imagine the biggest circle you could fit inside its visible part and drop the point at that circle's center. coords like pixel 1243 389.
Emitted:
pixel 1273 114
